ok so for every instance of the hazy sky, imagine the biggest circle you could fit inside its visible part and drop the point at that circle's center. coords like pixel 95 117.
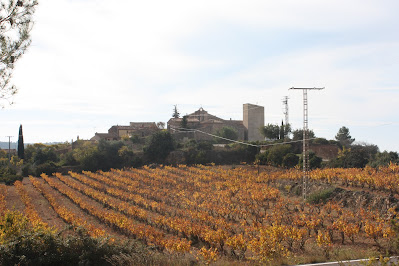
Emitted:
pixel 94 64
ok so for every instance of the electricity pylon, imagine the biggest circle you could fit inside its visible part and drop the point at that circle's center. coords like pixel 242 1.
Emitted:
pixel 285 103
pixel 305 139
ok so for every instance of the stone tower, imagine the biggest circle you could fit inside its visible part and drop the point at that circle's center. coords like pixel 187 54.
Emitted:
pixel 253 120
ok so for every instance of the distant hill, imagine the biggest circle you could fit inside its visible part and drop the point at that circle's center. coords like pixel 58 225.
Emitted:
pixel 14 145
pixel 4 145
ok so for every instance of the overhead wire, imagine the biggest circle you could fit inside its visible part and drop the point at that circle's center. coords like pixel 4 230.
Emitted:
pixel 181 130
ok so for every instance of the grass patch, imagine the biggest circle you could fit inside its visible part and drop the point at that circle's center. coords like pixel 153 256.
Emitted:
pixel 320 196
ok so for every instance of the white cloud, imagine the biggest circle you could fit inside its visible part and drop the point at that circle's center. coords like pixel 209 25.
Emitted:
pixel 125 60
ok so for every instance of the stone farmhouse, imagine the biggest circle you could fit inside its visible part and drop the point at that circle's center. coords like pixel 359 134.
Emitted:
pixel 201 120
pixel 140 129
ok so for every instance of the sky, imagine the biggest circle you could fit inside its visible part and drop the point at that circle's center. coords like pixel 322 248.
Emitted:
pixel 95 63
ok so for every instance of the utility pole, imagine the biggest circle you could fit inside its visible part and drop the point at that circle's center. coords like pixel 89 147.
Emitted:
pixel 305 139
pixel 9 147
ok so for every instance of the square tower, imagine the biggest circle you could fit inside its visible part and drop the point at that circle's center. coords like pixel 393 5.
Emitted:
pixel 253 120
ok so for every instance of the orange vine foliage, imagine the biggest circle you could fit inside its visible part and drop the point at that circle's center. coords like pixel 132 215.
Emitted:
pixel 30 211
pixel 119 220
pixel 207 255
pixel 211 211
pixel 3 194
pixel 63 212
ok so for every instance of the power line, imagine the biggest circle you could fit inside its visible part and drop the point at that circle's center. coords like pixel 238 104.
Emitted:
pixel 285 142
pixel 183 130
pixel 231 140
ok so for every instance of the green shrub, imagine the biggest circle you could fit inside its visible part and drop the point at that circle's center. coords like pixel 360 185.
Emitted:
pixel 204 145
pixel 333 142
pixel 8 173
pixel 227 133
pixel 48 168
pixel 10 179
pixel 320 141
pixel 22 244
pixel 320 196
pixel 69 159
pixel 274 155
pixel 135 139
pixel 290 160
pixel 314 161
pixel 6 169
pixel 159 145
pixel 27 170
pixel 262 157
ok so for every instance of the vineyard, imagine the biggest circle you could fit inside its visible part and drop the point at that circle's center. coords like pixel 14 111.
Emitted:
pixel 213 214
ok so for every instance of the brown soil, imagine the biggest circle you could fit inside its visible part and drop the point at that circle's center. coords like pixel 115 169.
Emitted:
pixel 47 213
pixel 93 202
pixel 85 216
pixel 43 207
pixel 13 201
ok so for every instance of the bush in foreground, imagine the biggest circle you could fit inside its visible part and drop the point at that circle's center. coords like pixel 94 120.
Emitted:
pixel 23 244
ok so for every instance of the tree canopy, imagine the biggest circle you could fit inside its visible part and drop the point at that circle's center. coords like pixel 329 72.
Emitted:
pixel 160 144
pixel 271 131
pixel 15 25
pixel 274 131
pixel 298 134
pixel 384 158
pixel 286 128
pixel 228 133
pixel 176 113
pixel 184 122
pixel 357 156
pixel 343 137
pixel 275 156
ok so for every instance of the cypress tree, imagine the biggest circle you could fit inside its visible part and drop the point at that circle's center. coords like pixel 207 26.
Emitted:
pixel 282 133
pixel 21 148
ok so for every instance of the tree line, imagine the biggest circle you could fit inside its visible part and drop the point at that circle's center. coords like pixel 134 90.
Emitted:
pixel 162 148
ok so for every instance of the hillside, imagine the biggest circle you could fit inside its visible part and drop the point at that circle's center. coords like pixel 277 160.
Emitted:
pixel 226 214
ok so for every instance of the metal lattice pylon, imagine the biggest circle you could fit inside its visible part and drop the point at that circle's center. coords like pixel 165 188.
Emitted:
pixel 285 102
pixel 305 154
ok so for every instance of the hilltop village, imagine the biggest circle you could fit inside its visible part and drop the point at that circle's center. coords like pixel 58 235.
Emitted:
pixel 247 129
pixel 196 138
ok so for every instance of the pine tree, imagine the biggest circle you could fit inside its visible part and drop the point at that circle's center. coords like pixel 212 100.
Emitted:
pixel 176 113
pixel 21 148
pixel 15 25
pixel 344 137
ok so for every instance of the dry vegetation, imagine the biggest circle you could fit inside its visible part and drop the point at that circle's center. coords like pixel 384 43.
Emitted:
pixel 221 215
